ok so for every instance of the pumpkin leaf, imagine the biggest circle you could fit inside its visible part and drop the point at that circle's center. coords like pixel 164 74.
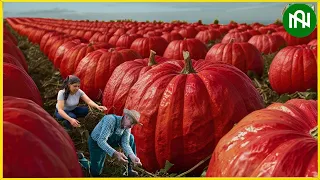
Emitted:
pixel 166 168
pixel 308 95
pixel 203 173
pixel 284 98
pixel 311 95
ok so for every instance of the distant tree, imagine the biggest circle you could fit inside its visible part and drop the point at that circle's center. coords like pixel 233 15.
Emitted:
pixel 199 21
pixel 278 22
pixel 232 22
pixel 216 21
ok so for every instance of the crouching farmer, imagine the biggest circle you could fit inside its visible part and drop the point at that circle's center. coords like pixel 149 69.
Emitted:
pixel 111 132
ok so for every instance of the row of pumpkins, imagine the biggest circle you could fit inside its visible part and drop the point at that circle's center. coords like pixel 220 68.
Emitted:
pixel 34 144
pixel 189 107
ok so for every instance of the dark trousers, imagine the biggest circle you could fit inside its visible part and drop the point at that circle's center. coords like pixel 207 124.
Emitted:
pixel 77 112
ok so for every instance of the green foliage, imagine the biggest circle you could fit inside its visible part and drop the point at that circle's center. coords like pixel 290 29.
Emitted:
pixel 278 22
pixel 216 21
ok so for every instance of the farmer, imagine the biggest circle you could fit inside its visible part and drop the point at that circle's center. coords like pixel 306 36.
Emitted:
pixel 67 109
pixel 111 132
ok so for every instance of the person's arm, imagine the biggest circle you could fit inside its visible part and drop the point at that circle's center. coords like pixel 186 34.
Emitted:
pixel 127 149
pixel 91 103
pixel 73 122
pixel 125 144
pixel 107 125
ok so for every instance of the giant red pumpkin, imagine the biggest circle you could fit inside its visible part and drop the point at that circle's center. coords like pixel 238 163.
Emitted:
pixel 186 108
pixel 8 58
pixel 95 69
pixel 172 36
pixel 99 37
pixel 123 78
pixel 46 37
pixel 242 55
pixel 195 47
pixel 292 40
pixel 61 51
pixel 126 40
pixel 54 47
pixel 74 55
pixel 16 82
pixel 268 43
pixel 294 68
pixel 34 144
pixel 7 33
pixel 237 36
pixel 266 30
pixel 188 32
pixel 208 36
pixel 10 48
pixel 36 35
pixel 313 42
pixel 113 40
pixel 52 40
pixel 144 45
pixel 273 142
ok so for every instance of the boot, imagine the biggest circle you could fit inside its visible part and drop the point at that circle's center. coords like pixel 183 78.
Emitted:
pixel 131 172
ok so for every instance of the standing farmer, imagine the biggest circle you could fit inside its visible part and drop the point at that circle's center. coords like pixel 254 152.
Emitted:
pixel 111 132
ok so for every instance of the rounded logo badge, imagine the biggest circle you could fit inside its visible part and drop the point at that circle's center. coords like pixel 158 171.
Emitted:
pixel 299 20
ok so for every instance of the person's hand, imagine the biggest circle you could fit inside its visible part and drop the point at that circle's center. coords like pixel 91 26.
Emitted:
pixel 120 157
pixel 136 161
pixel 74 122
pixel 101 108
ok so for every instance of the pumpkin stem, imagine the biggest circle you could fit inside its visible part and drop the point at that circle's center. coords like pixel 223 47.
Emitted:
pixel 111 49
pixel 90 44
pixel 188 69
pixel 152 60
pixel 231 40
pixel 313 47
pixel 314 132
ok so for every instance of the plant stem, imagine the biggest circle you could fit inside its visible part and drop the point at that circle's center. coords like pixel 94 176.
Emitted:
pixel 152 60
pixel 314 132
pixel 188 69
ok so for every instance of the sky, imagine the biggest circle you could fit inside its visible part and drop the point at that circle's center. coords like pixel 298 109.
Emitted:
pixel 191 12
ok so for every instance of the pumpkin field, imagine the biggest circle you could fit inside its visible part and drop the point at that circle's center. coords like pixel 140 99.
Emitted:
pixel 216 100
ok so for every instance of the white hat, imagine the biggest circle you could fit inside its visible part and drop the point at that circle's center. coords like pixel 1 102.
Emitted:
pixel 135 115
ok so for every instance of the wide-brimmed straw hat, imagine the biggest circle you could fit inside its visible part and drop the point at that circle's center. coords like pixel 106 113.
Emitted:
pixel 135 115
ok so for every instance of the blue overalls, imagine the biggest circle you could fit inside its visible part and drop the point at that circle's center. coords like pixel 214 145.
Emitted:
pixel 98 156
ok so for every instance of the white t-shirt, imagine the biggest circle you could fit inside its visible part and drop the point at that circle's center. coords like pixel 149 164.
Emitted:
pixel 72 101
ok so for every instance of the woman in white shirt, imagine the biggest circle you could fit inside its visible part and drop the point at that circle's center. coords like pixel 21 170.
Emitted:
pixel 67 109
